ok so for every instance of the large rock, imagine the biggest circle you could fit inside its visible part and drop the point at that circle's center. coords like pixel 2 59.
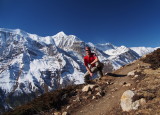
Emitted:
pixel 87 88
pixel 127 103
pixel 131 73
pixel 57 113
pixel 65 113
pixel 126 100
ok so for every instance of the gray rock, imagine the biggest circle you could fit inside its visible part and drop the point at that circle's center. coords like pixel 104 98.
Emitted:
pixel 77 99
pixel 65 113
pixel 99 94
pixel 98 89
pixel 127 103
pixel 131 73
pixel 126 100
pixel 142 101
pixel 127 84
pixel 90 92
pixel 135 105
pixel 68 107
pixel 94 97
pixel 57 113
pixel 87 88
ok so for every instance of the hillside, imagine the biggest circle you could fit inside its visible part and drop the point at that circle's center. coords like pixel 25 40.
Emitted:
pixel 105 96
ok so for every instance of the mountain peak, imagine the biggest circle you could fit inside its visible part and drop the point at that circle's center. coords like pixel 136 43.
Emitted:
pixel 105 46
pixel 61 34
pixel 15 31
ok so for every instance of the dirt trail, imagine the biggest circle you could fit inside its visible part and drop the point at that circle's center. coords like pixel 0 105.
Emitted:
pixel 113 95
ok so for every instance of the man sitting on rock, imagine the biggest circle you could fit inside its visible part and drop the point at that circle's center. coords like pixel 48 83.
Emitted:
pixel 92 64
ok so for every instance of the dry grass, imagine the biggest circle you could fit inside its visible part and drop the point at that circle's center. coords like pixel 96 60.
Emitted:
pixel 153 59
pixel 52 100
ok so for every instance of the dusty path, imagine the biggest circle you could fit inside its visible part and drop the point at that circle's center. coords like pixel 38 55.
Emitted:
pixel 113 95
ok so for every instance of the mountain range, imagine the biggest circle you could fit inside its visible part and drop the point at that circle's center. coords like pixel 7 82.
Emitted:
pixel 31 65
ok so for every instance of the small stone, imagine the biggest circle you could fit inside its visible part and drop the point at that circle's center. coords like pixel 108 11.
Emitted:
pixel 94 97
pixel 57 113
pixel 135 105
pixel 78 99
pixel 135 76
pixel 98 89
pixel 77 90
pixel 65 113
pixel 111 83
pixel 133 89
pixel 128 84
pixel 112 90
pixel 68 107
pixel 107 83
pixel 98 94
pixel 85 97
pixel 89 93
pixel 132 73
pixel 87 88
pixel 142 101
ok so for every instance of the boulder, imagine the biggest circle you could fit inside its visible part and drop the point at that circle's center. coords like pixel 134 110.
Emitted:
pixel 64 113
pixel 126 100
pixel 88 88
pixel 127 103
pixel 57 113
pixel 131 73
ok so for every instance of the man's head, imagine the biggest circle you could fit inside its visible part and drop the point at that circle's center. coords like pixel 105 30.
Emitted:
pixel 88 50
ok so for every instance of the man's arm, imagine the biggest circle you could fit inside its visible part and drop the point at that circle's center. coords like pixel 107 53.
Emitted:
pixel 88 69
pixel 96 60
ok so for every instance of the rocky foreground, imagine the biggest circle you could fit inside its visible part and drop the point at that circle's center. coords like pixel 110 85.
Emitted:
pixel 133 89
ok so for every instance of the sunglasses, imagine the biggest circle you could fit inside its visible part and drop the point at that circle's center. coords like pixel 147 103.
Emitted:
pixel 87 50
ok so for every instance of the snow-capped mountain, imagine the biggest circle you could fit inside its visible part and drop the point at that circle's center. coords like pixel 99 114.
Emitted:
pixel 31 65
pixel 105 46
pixel 117 50
pixel 143 50
pixel 122 55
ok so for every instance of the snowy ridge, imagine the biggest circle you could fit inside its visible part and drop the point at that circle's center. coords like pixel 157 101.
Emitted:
pixel 143 50
pixel 117 50
pixel 105 47
pixel 65 42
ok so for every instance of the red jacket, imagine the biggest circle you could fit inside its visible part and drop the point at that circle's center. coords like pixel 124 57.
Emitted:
pixel 89 60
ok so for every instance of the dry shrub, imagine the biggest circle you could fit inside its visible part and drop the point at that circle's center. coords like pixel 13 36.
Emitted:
pixel 52 100
pixel 153 59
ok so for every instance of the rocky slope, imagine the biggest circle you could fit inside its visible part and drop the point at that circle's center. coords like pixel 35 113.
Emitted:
pixel 132 89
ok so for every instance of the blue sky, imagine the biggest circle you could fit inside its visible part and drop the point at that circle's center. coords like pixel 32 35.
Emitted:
pixel 120 22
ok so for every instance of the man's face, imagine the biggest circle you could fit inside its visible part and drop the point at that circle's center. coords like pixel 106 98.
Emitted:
pixel 88 51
